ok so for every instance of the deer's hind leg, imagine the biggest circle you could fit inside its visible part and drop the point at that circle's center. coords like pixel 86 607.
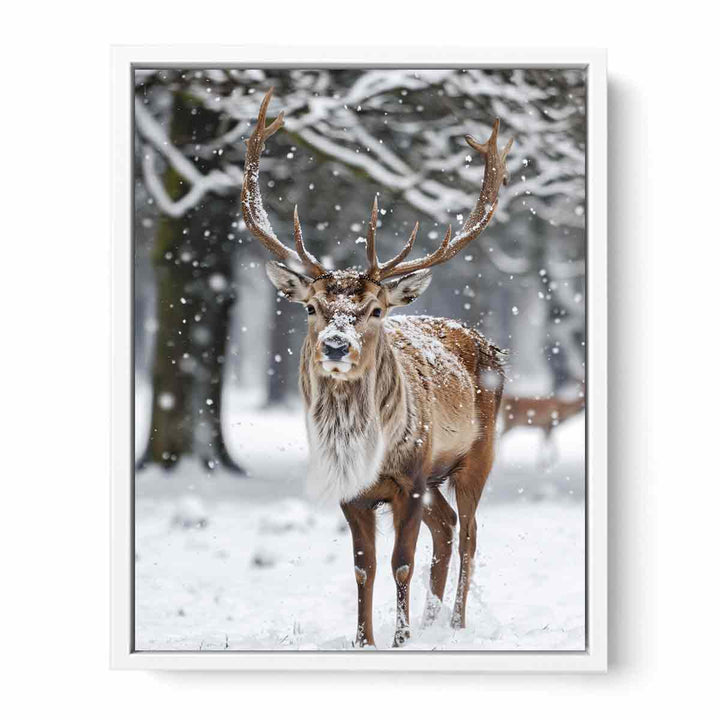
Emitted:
pixel 469 482
pixel 441 520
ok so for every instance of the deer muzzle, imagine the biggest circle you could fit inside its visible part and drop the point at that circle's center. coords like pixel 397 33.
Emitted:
pixel 337 351
pixel 335 348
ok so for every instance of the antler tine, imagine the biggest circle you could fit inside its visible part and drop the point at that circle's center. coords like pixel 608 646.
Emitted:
pixel 253 211
pixel 495 175
pixel 394 267
pixel 307 258
pixel 484 148
pixel 385 268
pixel 373 267
pixel 276 124
pixel 503 157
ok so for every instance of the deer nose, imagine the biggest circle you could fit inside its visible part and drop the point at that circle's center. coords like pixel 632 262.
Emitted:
pixel 335 348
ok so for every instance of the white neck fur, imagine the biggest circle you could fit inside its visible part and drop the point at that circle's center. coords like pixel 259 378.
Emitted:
pixel 346 439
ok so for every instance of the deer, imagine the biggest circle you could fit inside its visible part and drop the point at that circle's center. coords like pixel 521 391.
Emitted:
pixel 543 413
pixel 395 406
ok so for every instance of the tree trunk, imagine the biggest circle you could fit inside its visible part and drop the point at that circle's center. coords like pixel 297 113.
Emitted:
pixel 214 339
pixel 193 265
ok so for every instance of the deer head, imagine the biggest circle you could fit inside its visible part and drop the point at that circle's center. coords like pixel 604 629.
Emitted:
pixel 346 307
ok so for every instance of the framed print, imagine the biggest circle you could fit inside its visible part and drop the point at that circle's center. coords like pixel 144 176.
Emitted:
pixel 359 381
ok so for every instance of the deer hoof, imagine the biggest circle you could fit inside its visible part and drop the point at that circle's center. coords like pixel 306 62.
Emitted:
pixel 433 605
pixel 401 637
pixel 457 622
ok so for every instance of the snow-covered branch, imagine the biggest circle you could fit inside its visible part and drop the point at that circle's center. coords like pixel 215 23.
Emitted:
pixel 198 183
pixel 378 126
pixel 404 129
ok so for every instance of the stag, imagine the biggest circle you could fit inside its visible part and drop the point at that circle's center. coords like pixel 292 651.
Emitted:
pixel 395 406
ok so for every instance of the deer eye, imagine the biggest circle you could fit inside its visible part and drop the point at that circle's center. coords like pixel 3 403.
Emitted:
pixel 377 312
pixel 310 310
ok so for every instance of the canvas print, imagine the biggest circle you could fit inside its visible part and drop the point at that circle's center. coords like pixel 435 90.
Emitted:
pixel 359 347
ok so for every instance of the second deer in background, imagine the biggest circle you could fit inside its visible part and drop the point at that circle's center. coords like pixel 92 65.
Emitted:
pixel 543 413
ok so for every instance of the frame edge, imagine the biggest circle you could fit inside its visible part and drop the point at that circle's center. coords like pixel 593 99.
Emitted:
pixel 595 659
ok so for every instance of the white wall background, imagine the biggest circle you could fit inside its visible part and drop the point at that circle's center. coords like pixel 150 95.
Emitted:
pixel 663 357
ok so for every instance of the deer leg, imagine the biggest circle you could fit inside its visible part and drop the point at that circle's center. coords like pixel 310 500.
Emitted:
pixel 469 483
pixel 441 520
pixel 550 440
pixel 467 505
pixel 407 511
pixel 362 527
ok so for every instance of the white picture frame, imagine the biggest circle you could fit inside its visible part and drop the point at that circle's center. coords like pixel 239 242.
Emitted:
pixel 594 658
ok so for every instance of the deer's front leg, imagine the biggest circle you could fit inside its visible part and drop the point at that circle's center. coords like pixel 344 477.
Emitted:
pixel 362 526
pixel 407 510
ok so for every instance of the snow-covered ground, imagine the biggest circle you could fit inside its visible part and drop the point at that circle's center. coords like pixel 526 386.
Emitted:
pixel 227 563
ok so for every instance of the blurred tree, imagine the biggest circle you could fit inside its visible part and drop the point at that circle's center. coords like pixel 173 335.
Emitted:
pixel 193 260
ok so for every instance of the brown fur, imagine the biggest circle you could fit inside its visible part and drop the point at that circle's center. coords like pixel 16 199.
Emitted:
pixel 435 387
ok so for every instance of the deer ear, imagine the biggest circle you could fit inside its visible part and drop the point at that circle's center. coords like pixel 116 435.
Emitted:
pixel 405 289
pixel 293 285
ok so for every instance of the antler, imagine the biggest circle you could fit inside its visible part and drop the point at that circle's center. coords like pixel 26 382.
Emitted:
pixel 495 175
pixel 377 270
pixel 253 211
pixel 309 261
